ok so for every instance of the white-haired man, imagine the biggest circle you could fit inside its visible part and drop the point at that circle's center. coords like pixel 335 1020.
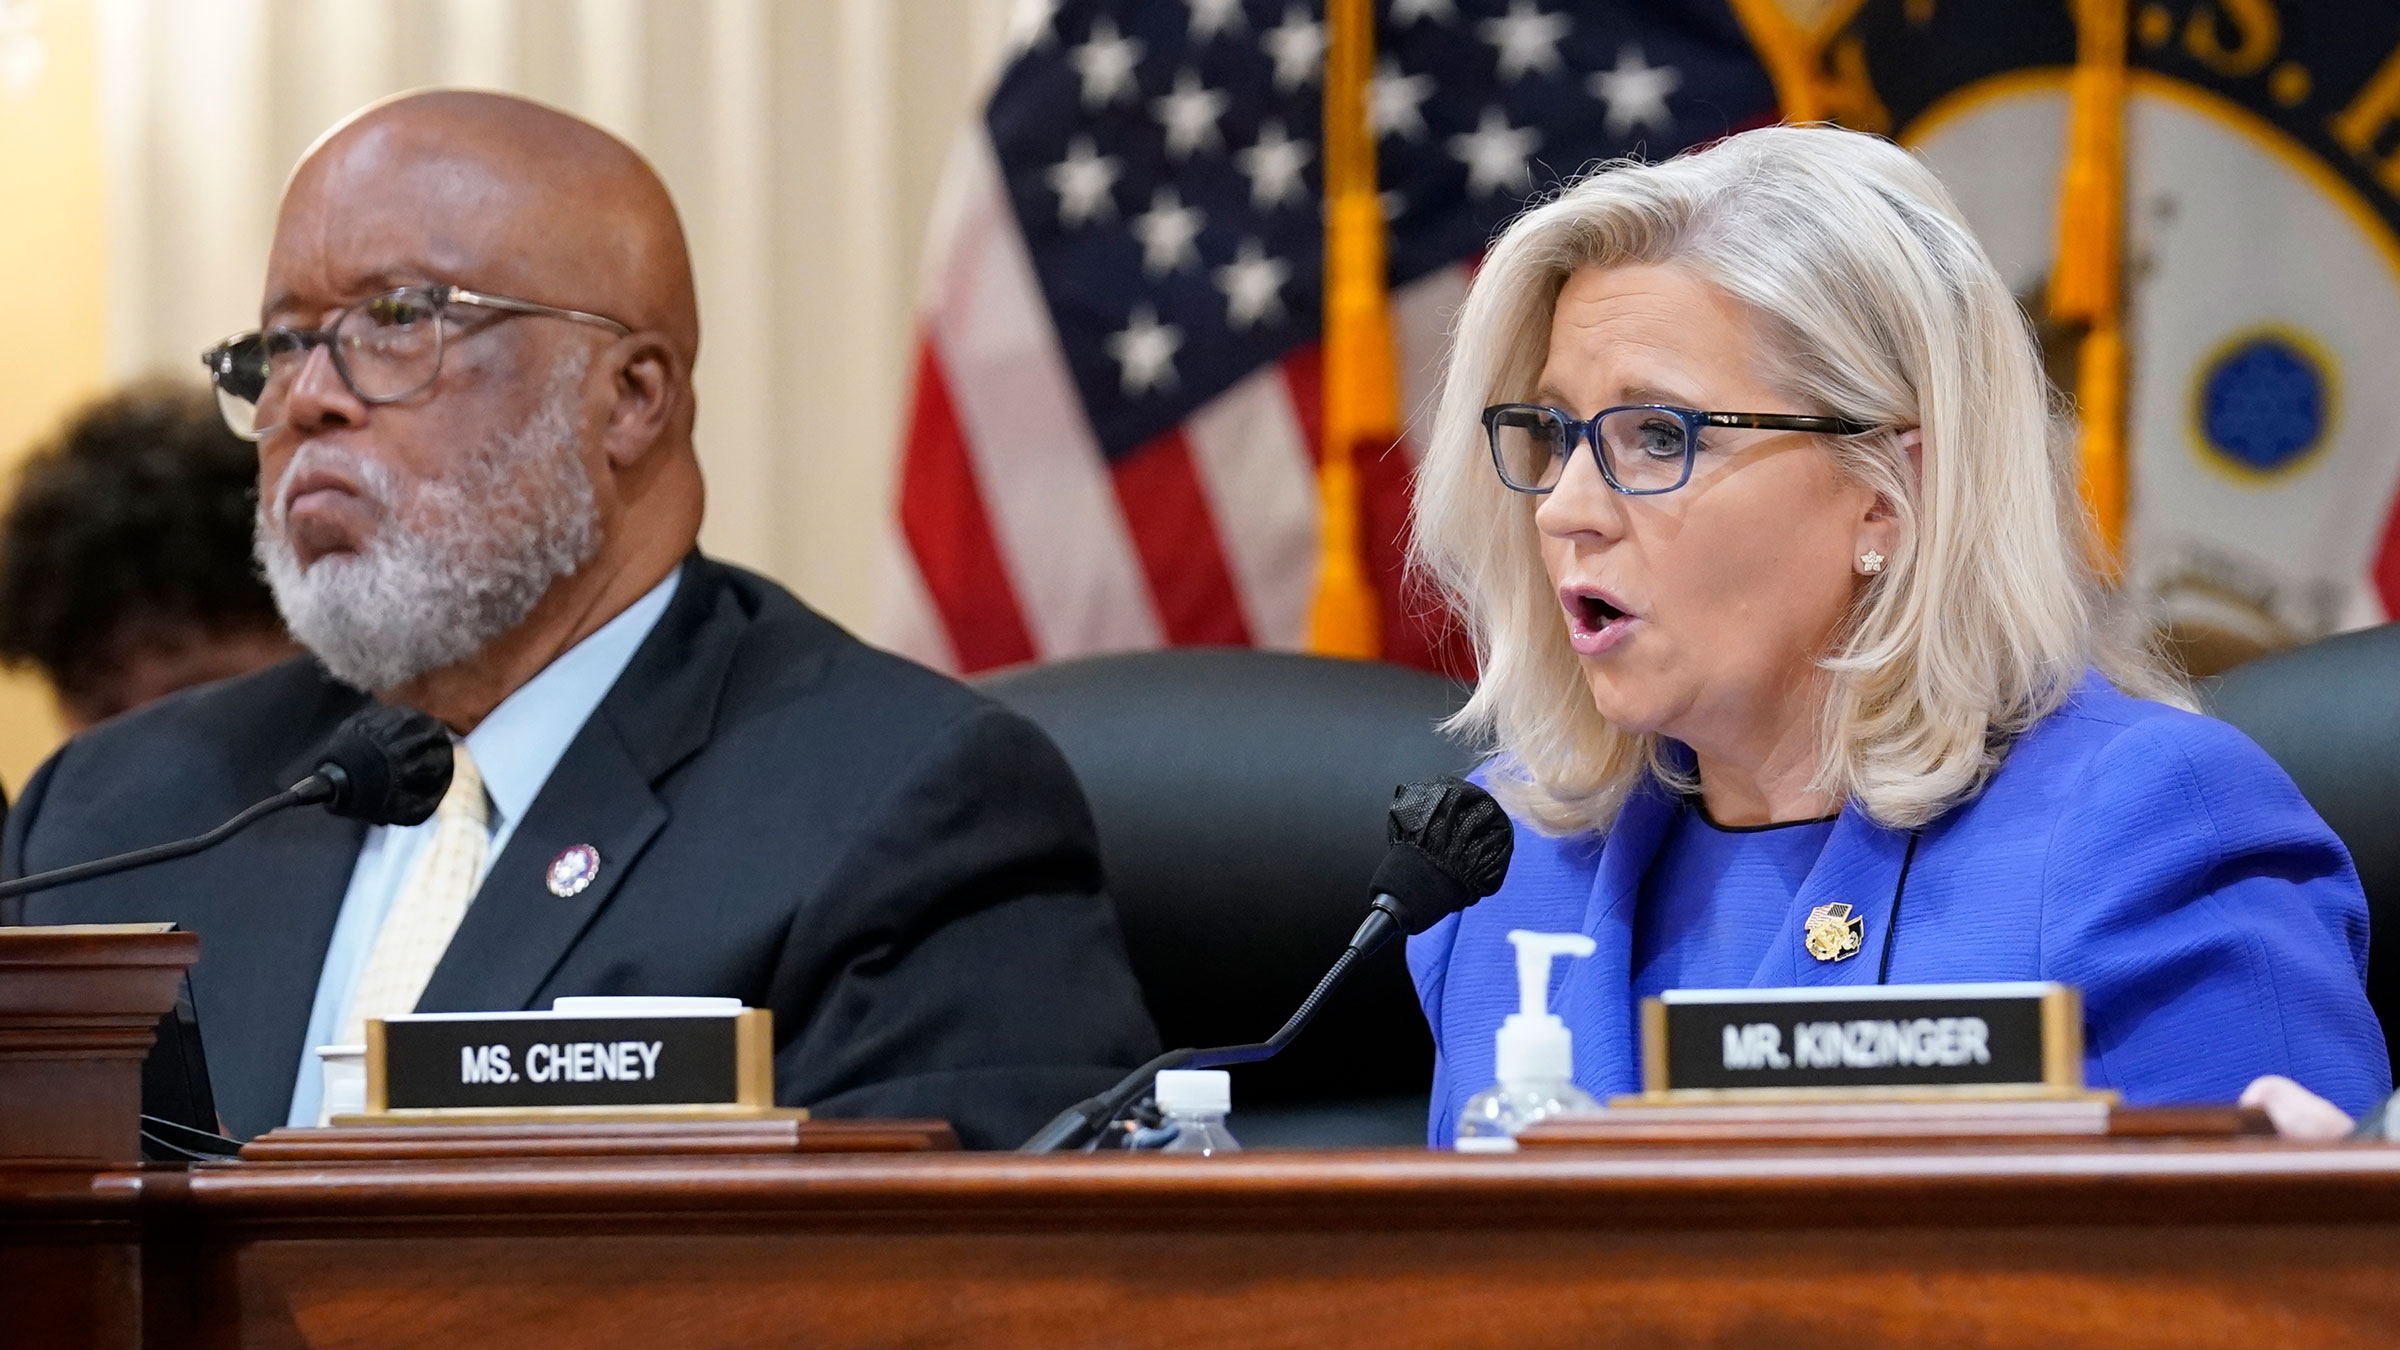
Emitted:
pixel 478 496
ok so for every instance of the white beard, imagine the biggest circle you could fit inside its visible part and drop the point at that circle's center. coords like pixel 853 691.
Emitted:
pixel 453 563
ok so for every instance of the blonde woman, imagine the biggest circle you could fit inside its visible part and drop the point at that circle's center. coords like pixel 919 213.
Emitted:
pixel 1745 480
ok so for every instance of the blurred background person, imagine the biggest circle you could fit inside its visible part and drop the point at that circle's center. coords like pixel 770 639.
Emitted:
pixel 125 569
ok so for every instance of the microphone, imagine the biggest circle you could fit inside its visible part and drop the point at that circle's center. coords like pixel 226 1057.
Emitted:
pixel 1450 846
pixel 382 765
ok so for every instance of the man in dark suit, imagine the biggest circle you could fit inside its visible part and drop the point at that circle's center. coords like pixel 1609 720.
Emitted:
pixel 479 497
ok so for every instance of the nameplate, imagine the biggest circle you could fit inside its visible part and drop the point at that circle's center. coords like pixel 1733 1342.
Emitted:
pixel 543 1063
pixel 1862 1042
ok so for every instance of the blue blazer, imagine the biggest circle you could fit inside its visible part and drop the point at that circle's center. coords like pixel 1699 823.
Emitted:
pixel 2156 860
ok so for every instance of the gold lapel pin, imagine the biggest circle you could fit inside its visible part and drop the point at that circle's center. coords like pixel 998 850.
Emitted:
pixel 1834 933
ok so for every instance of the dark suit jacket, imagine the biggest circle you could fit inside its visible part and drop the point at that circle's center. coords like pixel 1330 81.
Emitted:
pixel 902 870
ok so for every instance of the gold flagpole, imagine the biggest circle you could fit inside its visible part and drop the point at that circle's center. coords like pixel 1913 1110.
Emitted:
pixel 1361 377
pixel 1791 57
pixel 2087 286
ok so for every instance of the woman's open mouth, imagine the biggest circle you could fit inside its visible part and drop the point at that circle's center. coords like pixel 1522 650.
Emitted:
pixel 1595 622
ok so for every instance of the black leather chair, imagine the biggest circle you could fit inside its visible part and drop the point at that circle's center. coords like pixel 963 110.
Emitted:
pixel 1241 798
pixel 2329 713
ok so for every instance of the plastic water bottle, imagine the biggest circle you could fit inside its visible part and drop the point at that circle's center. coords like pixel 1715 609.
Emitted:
pixel 1194 1102
pixel 1534 1054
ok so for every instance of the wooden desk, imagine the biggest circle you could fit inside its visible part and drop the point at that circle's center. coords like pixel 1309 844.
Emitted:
pixel 2125 1243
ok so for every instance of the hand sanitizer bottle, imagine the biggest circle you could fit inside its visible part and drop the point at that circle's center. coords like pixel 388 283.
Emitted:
pixel 1535 1054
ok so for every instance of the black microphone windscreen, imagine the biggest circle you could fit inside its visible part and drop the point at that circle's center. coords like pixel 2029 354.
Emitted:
pixel 1450 848
pixel 388 766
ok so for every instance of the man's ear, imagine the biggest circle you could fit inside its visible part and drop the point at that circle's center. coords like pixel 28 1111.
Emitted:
pixel 645 389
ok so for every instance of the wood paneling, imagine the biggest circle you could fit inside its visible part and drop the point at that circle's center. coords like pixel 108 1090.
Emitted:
pixel 2140 1242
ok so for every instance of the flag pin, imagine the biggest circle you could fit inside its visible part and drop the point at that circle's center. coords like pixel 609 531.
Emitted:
pixel 574 870
pixel 1833 933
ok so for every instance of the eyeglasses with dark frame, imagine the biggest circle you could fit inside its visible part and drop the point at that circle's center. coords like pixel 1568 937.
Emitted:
pixel 1642 448
pixel 386 348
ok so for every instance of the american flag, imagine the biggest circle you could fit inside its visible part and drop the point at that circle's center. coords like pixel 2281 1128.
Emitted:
pixel 1112 440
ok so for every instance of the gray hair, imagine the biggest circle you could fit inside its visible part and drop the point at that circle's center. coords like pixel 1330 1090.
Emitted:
pixel 1874 302
pixel 455 562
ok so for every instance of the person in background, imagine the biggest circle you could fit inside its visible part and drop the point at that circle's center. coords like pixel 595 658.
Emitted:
pixel 125 569
pixel 1795 670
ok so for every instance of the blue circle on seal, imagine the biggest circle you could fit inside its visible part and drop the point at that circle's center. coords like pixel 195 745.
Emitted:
pixel 2264 403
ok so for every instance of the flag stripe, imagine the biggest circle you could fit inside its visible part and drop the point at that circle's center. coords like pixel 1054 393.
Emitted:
pixel 1257 471
pixel 905 619
pixel 1127 244
pixel 1175 535
pixel 942 515
pixel 1304 381
pixel 1053 507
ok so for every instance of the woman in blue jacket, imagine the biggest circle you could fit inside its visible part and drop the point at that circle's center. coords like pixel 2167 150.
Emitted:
pixel 1746 481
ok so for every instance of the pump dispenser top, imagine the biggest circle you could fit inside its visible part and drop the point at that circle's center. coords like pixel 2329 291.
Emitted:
pixel 1534 1044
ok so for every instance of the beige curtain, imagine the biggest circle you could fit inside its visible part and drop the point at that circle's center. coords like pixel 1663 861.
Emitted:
pixel 802 139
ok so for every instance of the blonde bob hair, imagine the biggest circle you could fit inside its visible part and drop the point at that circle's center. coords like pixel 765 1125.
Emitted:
pixel 1873 301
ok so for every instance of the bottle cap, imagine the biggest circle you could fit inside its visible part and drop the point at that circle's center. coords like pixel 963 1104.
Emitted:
pixel 1195 1091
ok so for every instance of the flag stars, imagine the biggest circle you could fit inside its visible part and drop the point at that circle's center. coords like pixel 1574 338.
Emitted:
pixel 1211 18
pixel 1396 102
pixel 1168 231
pixel 1253 287
pixel 1405 13
pixel 1144 351
pixel 1297 46
pixel 1636 93
pixel 1527 38
pixel 1274 166
pixel 1189 113
pixel 1085 182
pixel 1106 61
pixel 1495 154
pixel 1029 26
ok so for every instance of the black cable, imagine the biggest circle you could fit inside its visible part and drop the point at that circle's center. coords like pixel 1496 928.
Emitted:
pixel 1891 922
pixel 1088 1117
pixel 199 1145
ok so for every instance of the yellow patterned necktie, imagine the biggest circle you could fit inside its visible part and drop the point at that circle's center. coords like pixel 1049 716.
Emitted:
pixel 421 922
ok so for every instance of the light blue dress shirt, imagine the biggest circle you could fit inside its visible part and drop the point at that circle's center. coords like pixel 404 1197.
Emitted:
pixel 516 747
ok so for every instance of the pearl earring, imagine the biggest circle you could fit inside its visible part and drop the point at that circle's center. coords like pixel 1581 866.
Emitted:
pixel 1870 562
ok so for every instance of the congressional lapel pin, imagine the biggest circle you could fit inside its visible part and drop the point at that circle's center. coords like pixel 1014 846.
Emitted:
pixel 1833 932
pixel 573 871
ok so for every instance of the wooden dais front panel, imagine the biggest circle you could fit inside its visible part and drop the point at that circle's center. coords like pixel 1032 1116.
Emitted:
pixel 2127 1243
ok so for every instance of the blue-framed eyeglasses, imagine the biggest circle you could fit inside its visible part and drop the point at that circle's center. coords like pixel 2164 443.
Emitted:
pixel 1642 448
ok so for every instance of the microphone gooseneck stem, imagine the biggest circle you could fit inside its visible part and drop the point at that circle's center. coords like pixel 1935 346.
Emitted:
pixel 313 788
pixel 1080 1121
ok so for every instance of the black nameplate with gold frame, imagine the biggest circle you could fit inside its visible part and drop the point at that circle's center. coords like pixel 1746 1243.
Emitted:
pixel 1872 1042
pixel 453 1066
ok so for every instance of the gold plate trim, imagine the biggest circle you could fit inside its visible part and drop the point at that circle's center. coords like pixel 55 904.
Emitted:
pixel 754 1058
pixel 2061 1020
pixel 378 1089
pixel 1654 1044
pixel 753 1076
pixel 535 1115
pixel 1930 1092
